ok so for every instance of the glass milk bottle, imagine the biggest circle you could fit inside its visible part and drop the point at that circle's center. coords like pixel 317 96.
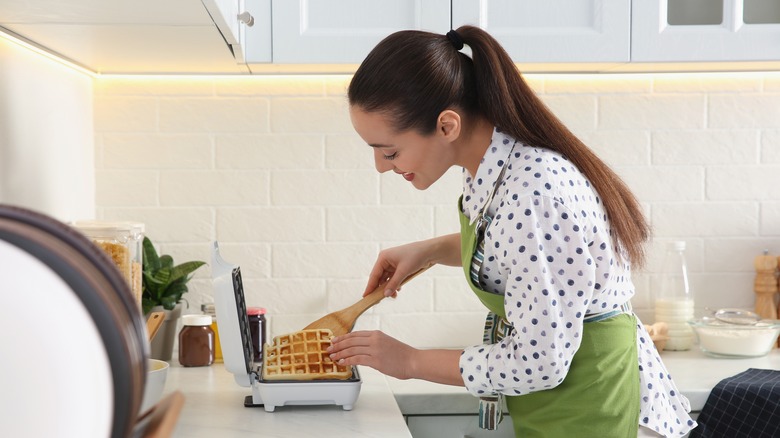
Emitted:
pixel 674 301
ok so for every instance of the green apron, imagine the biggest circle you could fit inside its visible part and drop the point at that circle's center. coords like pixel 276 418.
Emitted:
pixel 599 397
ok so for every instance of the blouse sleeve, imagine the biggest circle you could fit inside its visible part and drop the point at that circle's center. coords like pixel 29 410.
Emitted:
pixel 549 279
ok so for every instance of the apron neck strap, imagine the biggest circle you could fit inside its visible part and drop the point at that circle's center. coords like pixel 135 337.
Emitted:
pixel 500 177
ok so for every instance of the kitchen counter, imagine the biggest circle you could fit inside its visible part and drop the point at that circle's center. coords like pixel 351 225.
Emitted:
pixel 214 403
pixel 694 373
pixel 214 407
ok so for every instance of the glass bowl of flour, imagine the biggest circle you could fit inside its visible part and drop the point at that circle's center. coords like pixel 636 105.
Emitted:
pixel 723 339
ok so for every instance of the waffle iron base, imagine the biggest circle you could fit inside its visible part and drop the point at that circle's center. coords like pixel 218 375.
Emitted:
pixel 271 394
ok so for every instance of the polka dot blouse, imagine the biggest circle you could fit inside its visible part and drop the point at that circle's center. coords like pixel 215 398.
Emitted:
pixel 548 251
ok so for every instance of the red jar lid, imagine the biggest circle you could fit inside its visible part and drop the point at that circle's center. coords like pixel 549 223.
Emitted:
pixel 254 311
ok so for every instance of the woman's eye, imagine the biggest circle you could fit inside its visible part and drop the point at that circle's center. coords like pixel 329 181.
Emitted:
pixel 391 157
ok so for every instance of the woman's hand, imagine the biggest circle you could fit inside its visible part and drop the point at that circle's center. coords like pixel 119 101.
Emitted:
pixel 376 350
pixel 395 264
pixel 394 358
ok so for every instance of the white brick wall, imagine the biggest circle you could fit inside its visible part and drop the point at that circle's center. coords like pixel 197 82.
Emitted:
pixel 271 168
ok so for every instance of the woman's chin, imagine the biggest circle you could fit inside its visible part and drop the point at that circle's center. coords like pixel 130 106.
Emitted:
pixel 420 185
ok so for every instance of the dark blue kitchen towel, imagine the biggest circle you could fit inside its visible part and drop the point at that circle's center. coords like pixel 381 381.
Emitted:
pixel 746 405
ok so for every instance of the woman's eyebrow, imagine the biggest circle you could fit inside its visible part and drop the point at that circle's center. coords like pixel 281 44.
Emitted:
pixel 377 145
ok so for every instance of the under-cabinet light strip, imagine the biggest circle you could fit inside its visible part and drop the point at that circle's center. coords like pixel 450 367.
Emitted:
pixel 21 41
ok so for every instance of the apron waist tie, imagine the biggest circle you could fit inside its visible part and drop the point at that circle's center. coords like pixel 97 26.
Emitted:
pixel 491 406
pixel 595 317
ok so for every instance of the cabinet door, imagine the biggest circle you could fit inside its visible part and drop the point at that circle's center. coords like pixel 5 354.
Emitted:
pixel 245 25
pixel 705 30
pixel 257 45
pixel 344 31
pixel 224 13
pixel 553 31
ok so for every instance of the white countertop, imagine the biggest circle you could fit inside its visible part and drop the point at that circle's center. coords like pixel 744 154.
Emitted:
pixel 214 407
pixel 696 373
pixel 214 402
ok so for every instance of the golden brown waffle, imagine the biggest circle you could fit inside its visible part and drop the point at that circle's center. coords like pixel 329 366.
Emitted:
pixel 301 356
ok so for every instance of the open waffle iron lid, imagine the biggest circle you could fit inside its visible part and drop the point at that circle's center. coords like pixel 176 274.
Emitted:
pixel 74 348
pixel 235 336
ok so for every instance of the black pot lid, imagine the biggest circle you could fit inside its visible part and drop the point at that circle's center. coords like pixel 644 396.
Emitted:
pixel 74 361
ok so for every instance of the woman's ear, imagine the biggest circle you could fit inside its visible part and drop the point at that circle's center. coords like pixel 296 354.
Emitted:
pixel 449 124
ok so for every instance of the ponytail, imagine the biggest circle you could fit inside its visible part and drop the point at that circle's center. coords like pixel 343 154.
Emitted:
pixel 413 76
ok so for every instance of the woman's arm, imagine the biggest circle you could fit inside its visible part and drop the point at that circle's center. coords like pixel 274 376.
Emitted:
pixel 447 249
pixel 440 366
pixel 396 263
pixel 394 358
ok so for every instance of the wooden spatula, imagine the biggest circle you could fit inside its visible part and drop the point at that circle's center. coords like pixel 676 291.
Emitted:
pixel 153 323
pixel 341 322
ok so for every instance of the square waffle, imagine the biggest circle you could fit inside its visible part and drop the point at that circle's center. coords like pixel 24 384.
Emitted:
pixel 301 356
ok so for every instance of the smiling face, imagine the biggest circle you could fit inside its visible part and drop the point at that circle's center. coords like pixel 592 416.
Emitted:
pixel 420 159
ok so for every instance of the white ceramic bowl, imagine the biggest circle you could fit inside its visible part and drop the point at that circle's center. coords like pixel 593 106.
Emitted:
pixel 155 384
pixel 731 340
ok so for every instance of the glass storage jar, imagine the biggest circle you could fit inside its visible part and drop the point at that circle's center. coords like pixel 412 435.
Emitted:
pixel 116 239
pixel 257 323
pixel 196 341
pixel 137 258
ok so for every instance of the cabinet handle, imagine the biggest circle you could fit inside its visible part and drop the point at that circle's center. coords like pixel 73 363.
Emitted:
pixel 246 18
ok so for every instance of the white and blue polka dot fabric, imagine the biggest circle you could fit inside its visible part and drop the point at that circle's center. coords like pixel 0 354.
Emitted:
pixel 549 252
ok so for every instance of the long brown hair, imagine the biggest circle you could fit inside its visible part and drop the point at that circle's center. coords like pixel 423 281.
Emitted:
pixel 413 76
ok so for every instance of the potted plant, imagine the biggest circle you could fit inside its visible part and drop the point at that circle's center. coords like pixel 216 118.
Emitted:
pixel 163 286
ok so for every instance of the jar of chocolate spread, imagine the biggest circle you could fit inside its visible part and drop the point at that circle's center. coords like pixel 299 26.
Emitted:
pixel 196 341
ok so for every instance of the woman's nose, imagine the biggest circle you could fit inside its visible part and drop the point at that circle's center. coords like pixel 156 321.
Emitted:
pixel 381 163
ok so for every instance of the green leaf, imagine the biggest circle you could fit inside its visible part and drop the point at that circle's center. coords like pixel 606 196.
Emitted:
pixel 147 305
pixel 150 278
pixel 185 269
pixel 150 261
pixel 177 290
pixel 168 302
pixel 163 276
pixel 166 262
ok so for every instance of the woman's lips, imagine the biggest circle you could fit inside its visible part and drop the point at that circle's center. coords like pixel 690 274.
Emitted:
pixel 408 176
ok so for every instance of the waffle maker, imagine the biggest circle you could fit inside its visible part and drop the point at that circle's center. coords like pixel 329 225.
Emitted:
pixel 235 338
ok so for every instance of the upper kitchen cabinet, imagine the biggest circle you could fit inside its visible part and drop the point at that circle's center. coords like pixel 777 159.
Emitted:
pixel 344 31
pixel 242 21
pixel 705 30
pixel 538 33
pixel 334 36
pixel 140 36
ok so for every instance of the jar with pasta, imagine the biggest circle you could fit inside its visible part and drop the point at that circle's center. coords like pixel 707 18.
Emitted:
pixel 116 240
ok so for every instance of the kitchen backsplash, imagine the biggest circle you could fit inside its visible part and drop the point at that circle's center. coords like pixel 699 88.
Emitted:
pixel 271 168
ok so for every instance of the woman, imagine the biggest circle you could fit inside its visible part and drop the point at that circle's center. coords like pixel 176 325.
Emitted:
pixel 548 237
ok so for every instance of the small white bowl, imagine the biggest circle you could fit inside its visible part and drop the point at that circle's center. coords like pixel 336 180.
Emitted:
pixel 155 384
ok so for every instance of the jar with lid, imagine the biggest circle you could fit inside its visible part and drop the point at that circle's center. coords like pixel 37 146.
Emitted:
pixel 116 240
pixel 137 258
pixel 196 341
pixel 257 324
pixel 210 309
pixel 674 301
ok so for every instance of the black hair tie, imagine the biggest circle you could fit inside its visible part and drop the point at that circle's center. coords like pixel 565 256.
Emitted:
pixel 455 39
